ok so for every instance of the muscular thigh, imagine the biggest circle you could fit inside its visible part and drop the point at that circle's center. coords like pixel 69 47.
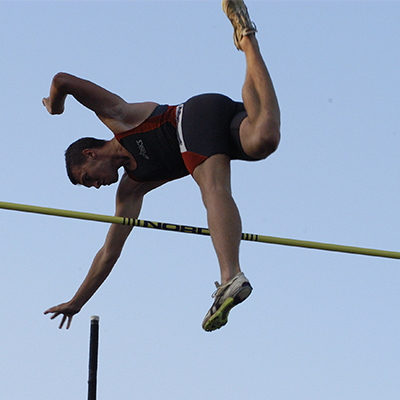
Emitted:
pixel 213 176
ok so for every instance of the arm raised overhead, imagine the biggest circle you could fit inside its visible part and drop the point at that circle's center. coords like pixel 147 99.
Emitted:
pixel 112 110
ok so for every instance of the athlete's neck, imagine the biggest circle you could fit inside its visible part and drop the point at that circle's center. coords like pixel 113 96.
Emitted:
pixel 122 156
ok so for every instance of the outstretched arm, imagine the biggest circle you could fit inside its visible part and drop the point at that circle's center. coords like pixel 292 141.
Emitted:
pixel 113 111
pixel 129 201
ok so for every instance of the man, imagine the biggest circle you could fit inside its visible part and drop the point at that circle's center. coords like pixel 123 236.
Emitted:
pixel 158 143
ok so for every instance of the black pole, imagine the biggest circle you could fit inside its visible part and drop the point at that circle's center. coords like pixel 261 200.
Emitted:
pixel 93 356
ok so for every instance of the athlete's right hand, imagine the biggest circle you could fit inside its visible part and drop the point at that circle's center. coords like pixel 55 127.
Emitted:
pixel 66 309
pixel 52 108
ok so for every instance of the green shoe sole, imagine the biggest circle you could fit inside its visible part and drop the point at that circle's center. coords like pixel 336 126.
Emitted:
pixel 220 318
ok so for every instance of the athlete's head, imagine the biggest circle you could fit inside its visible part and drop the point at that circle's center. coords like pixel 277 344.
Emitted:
pixel 87 165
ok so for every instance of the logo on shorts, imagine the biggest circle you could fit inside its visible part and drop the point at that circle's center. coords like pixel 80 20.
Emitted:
pixel 142 150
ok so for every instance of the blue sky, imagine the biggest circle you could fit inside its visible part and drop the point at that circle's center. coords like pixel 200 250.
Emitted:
pixel 318 325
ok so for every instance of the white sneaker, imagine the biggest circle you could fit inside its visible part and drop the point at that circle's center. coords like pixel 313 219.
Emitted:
pixel 226 297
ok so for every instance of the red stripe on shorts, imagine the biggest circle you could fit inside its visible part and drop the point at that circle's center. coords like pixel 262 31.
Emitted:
pixel 192 160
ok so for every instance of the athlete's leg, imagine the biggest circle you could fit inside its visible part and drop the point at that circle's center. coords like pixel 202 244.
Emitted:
pixel 214 179
pixel 260 131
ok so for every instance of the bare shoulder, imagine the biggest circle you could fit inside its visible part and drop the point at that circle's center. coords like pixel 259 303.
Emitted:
pixel 143 109
pixel 126 116
pixel 136 113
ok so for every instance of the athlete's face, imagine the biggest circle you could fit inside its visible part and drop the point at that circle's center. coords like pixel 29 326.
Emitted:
pixel 97 172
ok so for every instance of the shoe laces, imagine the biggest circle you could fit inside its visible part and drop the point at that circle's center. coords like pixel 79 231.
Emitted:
pixel 221 288
pixel 217 285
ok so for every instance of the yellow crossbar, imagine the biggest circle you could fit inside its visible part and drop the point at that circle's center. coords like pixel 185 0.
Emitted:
pixel 196 230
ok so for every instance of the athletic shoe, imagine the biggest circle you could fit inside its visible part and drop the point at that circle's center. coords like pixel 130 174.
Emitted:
pixel 237 13
pixel 226 297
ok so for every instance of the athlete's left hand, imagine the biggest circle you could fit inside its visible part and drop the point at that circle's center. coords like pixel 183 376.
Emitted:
pixel 68 311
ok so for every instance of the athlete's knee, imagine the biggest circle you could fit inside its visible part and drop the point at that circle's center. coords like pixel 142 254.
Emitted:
pixel 266 139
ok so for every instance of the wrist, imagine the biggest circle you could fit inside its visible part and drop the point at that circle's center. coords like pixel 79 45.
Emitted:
pixel 75 305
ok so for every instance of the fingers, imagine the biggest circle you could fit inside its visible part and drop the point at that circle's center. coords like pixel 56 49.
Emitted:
pixel 62 321
pixel 54 108
pixel 45 101
pixel 56 313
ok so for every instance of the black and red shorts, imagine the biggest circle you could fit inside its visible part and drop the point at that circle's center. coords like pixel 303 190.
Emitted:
pixel 209 124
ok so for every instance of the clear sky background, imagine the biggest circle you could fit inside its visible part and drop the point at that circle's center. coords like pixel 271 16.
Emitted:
pixel 319 325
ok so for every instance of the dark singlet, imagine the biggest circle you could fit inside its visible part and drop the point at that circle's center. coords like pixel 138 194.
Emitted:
pixel 154 145
pixel 174 140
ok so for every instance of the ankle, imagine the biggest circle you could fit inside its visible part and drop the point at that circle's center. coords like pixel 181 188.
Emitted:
pixel 229 275
pixel 249 41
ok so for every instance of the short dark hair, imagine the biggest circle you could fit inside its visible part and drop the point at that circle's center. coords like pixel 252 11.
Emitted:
pixel 74 157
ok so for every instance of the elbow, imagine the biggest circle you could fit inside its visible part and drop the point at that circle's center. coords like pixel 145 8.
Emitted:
pixel 61 80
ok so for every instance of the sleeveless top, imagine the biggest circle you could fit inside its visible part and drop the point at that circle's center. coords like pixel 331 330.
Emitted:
pixel 155 147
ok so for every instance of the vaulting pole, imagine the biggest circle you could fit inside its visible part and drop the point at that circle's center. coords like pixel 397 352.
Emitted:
pixel 93 357
pixel 199 231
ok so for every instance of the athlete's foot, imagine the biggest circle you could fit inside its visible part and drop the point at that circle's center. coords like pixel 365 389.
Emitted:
pixel 237 13
pixel 226 297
